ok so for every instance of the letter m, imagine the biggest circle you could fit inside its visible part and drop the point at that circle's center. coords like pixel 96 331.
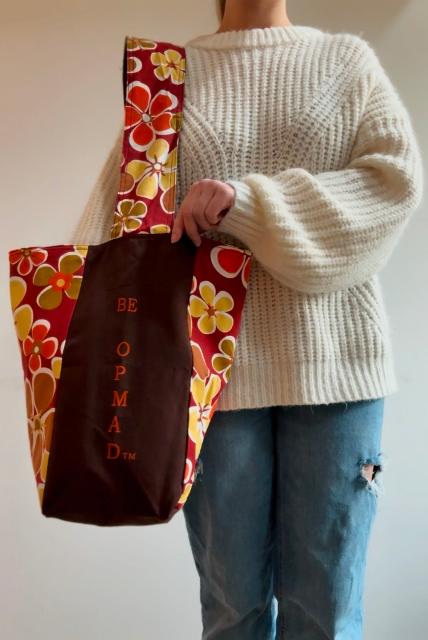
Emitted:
pixel 120 401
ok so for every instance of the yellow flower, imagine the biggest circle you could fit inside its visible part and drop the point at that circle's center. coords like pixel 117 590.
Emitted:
pixel 200 414
pixel 222 362
pixel 211 309
pixel 169 64
pixel 58 281
pixel 128 217
pixel 159 170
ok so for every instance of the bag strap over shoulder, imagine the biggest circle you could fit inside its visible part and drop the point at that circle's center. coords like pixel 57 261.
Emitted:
pixel 153 75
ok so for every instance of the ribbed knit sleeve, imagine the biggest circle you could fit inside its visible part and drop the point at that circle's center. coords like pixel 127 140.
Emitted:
pixel 94 224
pixel 327 231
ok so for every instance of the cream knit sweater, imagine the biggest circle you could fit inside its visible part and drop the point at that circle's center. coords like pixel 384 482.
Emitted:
pixel 313 136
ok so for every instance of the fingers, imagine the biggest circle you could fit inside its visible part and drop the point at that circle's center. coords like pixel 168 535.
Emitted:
pixel 201 209
pixel 215 200
pixel 187 219
pixel 194 208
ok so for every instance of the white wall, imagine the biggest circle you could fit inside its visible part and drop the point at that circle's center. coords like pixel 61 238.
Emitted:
pixel 61 107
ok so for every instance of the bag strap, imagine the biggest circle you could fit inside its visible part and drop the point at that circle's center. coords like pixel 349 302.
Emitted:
pixel 153 76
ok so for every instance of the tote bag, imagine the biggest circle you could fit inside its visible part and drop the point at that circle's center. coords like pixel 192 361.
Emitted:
pixel 127 345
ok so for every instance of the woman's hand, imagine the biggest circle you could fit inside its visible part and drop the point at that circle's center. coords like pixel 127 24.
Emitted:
pixel 205 204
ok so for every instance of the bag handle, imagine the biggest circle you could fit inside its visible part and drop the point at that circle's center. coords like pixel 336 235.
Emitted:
pixel 153 75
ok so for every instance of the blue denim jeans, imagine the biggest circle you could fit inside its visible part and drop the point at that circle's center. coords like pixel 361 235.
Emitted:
pixel 279 519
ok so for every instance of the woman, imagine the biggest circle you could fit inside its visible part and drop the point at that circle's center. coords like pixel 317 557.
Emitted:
pixel 296 144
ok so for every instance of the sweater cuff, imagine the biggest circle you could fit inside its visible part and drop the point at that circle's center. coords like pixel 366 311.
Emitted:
pixel 242 220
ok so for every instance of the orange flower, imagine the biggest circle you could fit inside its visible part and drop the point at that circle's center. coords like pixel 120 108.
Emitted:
pixel 38 344
pixel 148 116
pixel 27 258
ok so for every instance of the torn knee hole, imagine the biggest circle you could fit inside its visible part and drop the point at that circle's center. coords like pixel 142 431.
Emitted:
pixel 369 471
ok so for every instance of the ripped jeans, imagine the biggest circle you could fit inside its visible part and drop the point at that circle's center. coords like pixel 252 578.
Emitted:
pixel 279 519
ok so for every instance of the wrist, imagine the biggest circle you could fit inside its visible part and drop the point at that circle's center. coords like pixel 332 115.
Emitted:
pixel 225 211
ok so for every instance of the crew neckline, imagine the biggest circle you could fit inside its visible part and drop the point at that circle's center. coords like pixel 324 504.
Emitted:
pixel 253 37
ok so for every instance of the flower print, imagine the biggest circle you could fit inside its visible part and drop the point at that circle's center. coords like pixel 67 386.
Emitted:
pixel 23 319
pixel 188 469
pixel 38 344
pixel 133 62
pixel 189 322
pixel 198 359
pixel 56 362
pixel 185 494
pixel 189 315
pixel 200 414
pixel 147 116
pixel 133 44
pixel 57 282
pixel 27 258
pixel 40 417
pixel 212 308
pixel 22 315
pixel 126 183
pixel 231 261
pixel 160 228
pixel 169 64
pixel 81 249
pixel 17 290
pixel 222 362
pixel 127 217
pixel 158 170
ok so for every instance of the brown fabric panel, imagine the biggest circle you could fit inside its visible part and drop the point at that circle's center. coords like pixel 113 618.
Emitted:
pixel 82 484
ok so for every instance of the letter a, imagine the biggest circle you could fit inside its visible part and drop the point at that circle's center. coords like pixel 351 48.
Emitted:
pixel 114 425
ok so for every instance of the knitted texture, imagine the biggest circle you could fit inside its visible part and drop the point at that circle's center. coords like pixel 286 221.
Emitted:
pixel 320 149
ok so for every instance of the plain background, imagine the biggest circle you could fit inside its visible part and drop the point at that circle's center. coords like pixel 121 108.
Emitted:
pixel 61 107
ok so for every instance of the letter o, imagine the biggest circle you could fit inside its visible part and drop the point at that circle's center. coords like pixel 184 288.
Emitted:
pixel 119 347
